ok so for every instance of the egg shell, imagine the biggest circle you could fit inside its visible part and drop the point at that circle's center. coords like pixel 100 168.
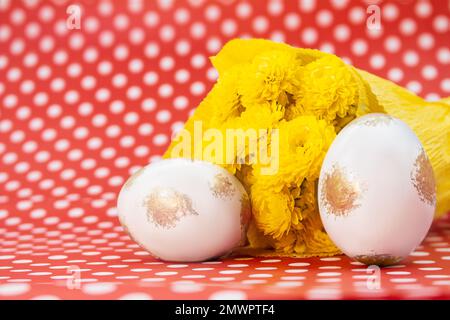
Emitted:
pixel 183 210
pixel 376 190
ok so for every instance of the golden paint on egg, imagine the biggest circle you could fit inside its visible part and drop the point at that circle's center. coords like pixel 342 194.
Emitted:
pixel 165 207
pixel 422 177
pixel 339 194
pixel 133 178
pixel 222 187
pixel 382 260
pixel 374 120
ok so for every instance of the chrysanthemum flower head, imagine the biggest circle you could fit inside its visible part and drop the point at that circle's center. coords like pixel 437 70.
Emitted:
pixel 328 89
pixel 283 202
pixel 271 76
pixel 224 100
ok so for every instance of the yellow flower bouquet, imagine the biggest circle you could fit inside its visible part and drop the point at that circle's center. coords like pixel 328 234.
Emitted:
pixel 306 96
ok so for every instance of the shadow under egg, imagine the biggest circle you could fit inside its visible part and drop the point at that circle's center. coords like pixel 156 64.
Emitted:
pixel 381 260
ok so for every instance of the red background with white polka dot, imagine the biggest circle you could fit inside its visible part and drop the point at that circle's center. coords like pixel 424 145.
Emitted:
pixel 82 109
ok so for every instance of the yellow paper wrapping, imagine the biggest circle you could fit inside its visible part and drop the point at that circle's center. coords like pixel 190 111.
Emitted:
pixel 307 97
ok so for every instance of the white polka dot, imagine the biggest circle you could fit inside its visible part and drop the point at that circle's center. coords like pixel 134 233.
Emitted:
pixel 90 55
pixel 182 47
pixel 17 46
pixel 160 139
pixel 229 27
pixel 16 289
pixel 182 76
pixel 324 18
pixel 197 88
pixel 423 9
pixel 408 27
pixel 443 55
pixel 244 10
pixel 14 74
pixel 98 288
pixel 102 94
pixel 167 33
pixel 163 116
pixel 414 86
pixel 186 286
pixel 445 86
pixel 260 24
pixel 429 72
pixel 153 279
pixel 357 15
pixel 228 295
pixel 136 296
pixel 377 61
pixel 197 30
pixel 395 74
pixel 76 41
pixel 198 61
pixel 441 23
pixel 58 84
pixel 390 12
pixel 165 90
pixel 426 41
pixel 392 44
pixel 292 21
pixel 10 101
pixel 71 97
pixel 410 58
pixel 230 271
pixel 296 270
pixel 134 93
pixel 324 293
pixel 309 36
pixel 359 47
pixel 166 63
pixel 18 16
pixel 46 297
pixel 104 67
pixel 151 19
pixel 261 275
pixel 342 32
pixel 166 273
pixel 74 70
pixel 121 52
pixel 121 22
pixel 46 13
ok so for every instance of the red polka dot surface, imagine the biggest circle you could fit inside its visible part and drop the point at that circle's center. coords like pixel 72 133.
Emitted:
pixel 87 100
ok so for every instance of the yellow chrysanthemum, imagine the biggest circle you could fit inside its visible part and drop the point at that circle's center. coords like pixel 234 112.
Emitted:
pixel 284 203
pixel 224 100
pixel 271 76
pixel 328 89
pixel 259 119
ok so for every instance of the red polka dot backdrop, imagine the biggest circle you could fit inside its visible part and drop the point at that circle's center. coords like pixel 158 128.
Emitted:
pixel 90 93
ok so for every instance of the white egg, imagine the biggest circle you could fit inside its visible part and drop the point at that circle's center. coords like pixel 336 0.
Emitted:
pixel 183 210
pixel 377 193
